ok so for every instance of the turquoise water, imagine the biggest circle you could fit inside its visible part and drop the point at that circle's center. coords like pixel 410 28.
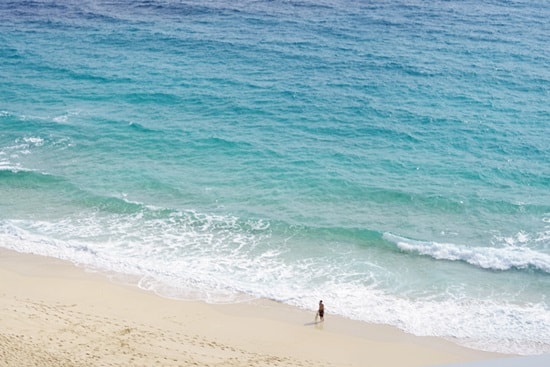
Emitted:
pixel 388 157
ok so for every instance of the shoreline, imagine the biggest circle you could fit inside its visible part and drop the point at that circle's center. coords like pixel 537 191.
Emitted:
pixel 54 313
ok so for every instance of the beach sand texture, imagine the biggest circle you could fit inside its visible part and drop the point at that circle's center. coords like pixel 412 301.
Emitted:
pixel 55 314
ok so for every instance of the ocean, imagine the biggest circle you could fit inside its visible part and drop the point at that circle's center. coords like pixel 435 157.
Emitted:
pixel 390 157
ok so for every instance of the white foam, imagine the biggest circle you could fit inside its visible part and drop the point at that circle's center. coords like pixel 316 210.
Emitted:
pixel 61 119
pixel 7 166
pixel 36 141
pixel 495 258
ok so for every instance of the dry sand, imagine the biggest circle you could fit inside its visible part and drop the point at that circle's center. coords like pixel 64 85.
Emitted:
pixel 55 314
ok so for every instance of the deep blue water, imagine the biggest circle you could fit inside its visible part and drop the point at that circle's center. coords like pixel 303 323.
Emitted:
pixel 389 157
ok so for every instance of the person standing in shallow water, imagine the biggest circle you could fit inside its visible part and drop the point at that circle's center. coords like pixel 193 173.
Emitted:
pixel 321 311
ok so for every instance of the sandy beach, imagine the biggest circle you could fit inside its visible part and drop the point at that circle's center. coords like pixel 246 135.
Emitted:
pixel 55 314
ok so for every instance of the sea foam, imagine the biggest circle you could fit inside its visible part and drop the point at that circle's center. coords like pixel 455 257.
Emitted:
pixel 493 258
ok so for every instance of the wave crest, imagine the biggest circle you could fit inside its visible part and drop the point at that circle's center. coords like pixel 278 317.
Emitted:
pixel 493 258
